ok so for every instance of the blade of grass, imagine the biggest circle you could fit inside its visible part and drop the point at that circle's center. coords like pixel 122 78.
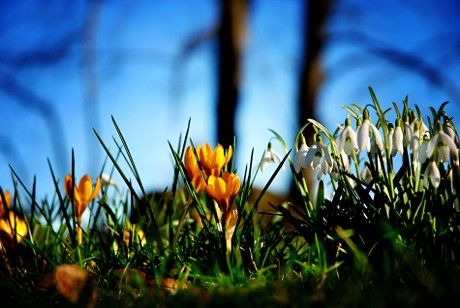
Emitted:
pixel 143 204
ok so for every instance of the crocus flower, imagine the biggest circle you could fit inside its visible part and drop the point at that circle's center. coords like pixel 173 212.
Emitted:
pixel 12 229
pixel 269 157
pixel 348 141
pixel 193 169
pixel 6 202
pixel 443 145
pixel 432 173
pixel 364 131
pixel 133 234
pixel 212 161
pixel 223 189
pixel 83 194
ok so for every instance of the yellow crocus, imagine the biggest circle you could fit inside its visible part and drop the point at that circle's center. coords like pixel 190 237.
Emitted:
pixel 213 161
pixel 83 194
pixel 134 234
pixel 224 190
pixel 193 169
pixel 11 227
pixel 6 202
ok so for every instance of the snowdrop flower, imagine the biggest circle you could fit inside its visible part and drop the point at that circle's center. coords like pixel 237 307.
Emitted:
pixel 433 173
pixel 106 179
pixel 417 124
pixel 415 141
pixel 391 132
pixel 269 157
pixel 397 139
pixel 443 145
pixel 363 133
pixel 319 155
pixel 299 161
pixel 348 141
pixel 420 155
pixel 407 132
pixel 335 166
pixel 366 175
pixel 449 130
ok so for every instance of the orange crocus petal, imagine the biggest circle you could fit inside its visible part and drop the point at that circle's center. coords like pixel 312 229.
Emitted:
pixel 85 188
pixel 229 155
pixel 213 191
pixel 97 189
pixel 68 186
pixel 213 161
pixel 193 170
pixel 10 227
pixel 83 194
pixel 7 196
pixel 223 189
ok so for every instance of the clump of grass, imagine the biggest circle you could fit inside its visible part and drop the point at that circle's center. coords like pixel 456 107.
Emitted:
pixel 380 223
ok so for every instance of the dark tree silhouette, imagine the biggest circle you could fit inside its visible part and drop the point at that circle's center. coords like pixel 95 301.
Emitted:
pixel 89 77
pixel 230 39
pixel 311 77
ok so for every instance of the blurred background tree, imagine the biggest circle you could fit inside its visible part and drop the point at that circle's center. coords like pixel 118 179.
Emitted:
pixel 235 67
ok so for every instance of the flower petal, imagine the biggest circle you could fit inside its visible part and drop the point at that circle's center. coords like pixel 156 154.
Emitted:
pixel 363 137
pixel 300 157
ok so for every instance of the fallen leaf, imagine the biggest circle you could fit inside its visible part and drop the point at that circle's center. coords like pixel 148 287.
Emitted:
pixel 70 281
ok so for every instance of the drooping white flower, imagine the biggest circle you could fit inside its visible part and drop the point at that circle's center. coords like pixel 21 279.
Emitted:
pixel 106 179
pixel 415 142
pixel 318 155
pixel 397 142
pixel 364 134
pixel 407 132
pixel 443 145
pixel 418 124
pixel 366 175
pixel 419 131
pixel 344 161
pixel 449 130
pixel 269 157
pixel 348 141
pixel 432 172
pixel 420 155
pixel 391 132
pixel 299 161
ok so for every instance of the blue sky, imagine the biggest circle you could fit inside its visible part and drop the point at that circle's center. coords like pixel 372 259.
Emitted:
pixel 152 95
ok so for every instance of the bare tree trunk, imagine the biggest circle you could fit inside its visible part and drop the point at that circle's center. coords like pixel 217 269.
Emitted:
pixel 90 80
pixel 316 12
pixel 230 40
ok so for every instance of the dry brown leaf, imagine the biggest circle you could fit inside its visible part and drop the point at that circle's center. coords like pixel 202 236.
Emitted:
pixel 70 281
